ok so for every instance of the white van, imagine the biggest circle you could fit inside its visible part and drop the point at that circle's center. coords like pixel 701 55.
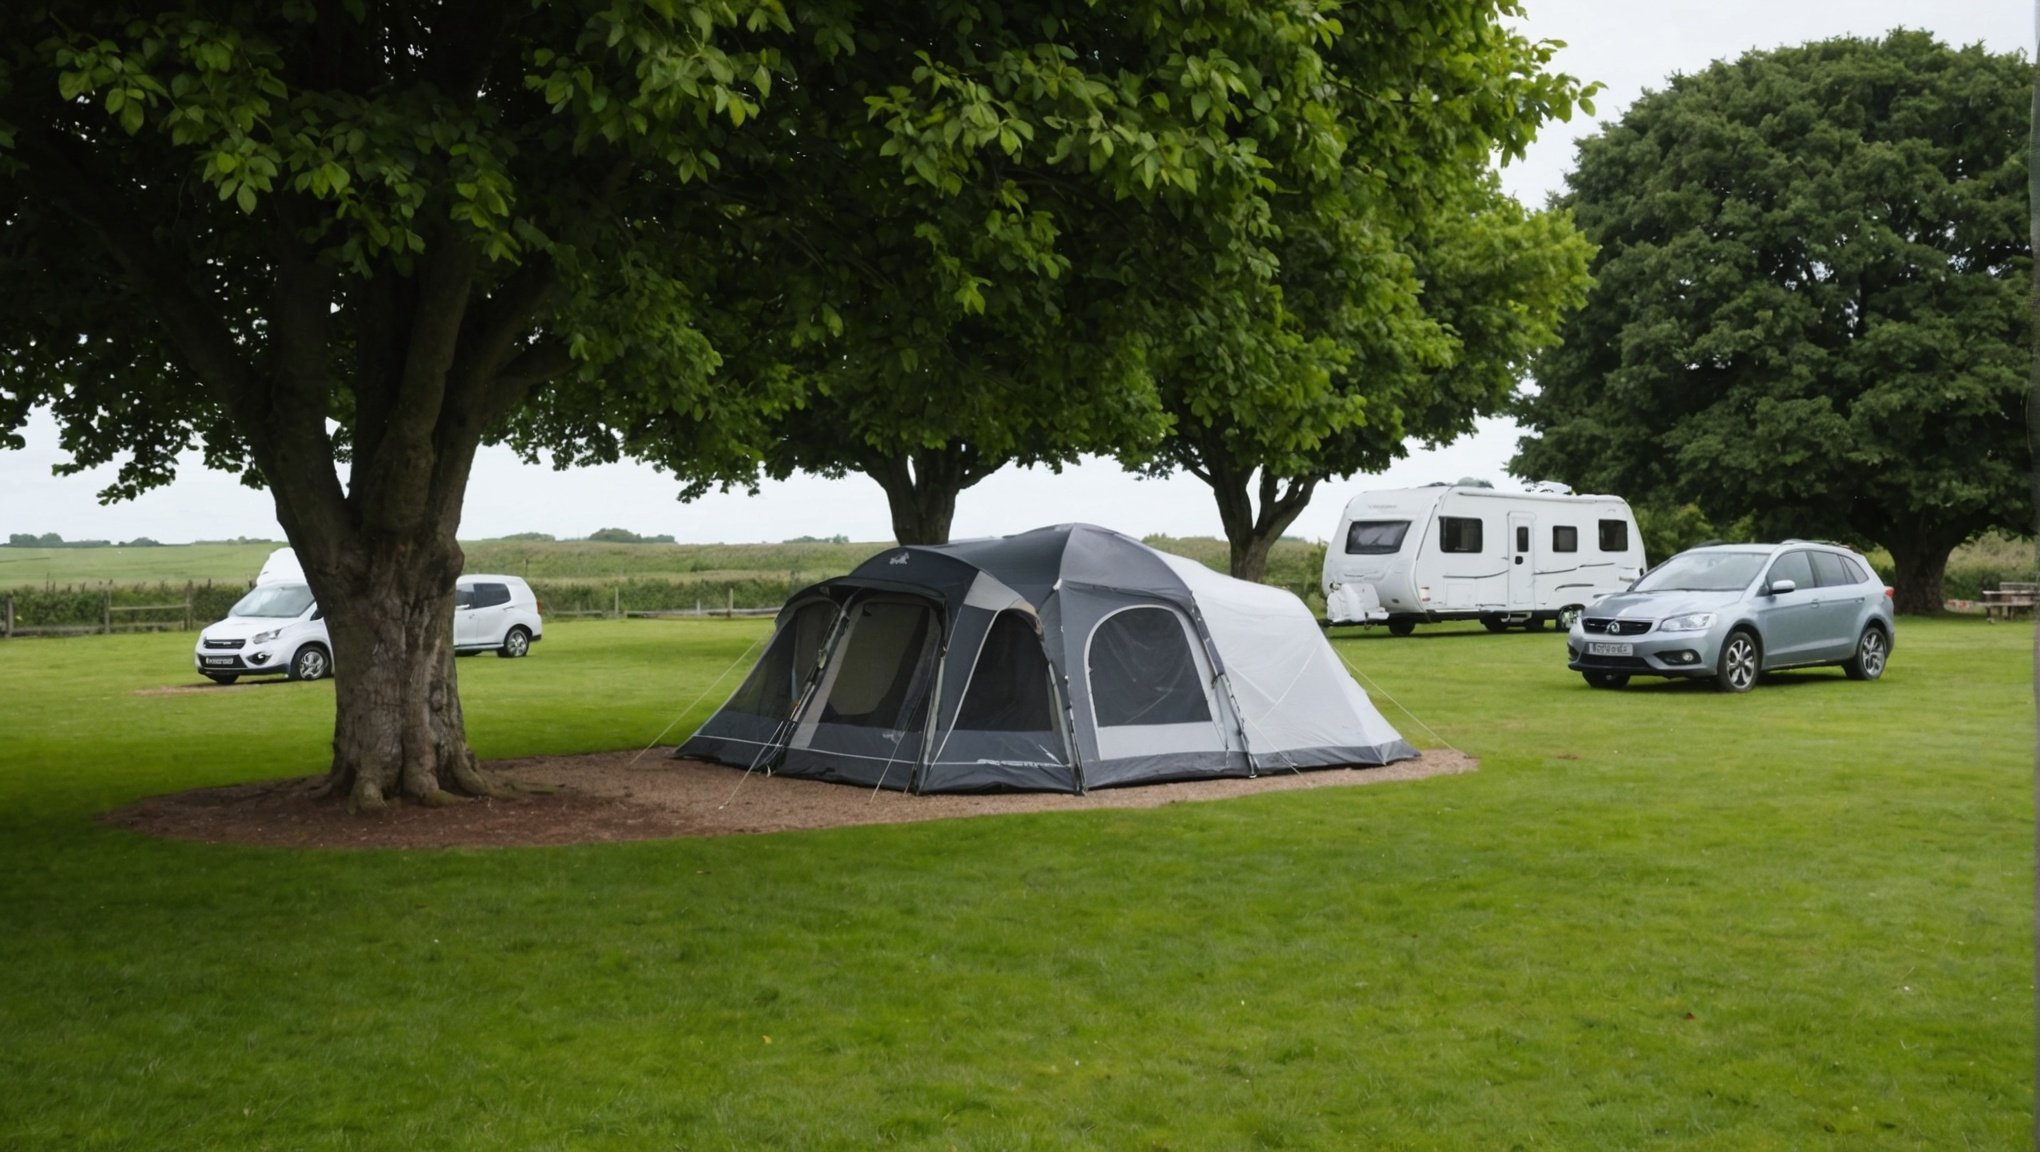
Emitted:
pixel 278 630
pixel 1410 556
pixel 497 614
pixel 275 630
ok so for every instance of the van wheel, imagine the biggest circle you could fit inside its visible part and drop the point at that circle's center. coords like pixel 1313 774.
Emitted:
pixel 1494 623
pixel 516 642
pixel 1401 627
pixel 221 679
pixel 1741 661
pixel 310 663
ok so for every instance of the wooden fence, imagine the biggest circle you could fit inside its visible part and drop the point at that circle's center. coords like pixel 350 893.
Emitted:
pixel 108 624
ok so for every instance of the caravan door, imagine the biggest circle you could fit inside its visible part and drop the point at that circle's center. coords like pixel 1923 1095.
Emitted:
pixel 1522 562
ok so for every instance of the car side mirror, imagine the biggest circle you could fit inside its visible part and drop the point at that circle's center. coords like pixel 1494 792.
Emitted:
pixel 1780 587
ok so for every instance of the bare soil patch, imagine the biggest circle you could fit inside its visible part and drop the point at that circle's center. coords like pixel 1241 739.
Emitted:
pixel 614 796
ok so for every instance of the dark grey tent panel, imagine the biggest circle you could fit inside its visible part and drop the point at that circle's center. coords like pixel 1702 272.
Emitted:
pixel 1061 659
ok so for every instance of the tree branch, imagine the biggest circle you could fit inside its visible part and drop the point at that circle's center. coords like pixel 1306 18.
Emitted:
pixel 61 172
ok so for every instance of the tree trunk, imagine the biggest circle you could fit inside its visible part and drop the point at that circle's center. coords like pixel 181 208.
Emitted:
pixel 398 729
pixel 1920 565
pixel 921 487
pixel 1251 534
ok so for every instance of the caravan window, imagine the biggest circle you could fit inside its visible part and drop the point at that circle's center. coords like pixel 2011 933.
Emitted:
pixel 1009 689
pixel 1458 534
pixel 1143 672
pixel 1614 535
pixel 1375 537
pixel 887 661
pixel 1565 538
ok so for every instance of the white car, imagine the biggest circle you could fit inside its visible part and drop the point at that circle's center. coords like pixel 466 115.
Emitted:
pixel 278 630
pixel 495 614
pixel 275 630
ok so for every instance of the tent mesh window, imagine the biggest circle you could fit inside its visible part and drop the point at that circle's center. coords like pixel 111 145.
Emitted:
pixel 887 662
pixel 1009 688
pixel 775 682
pixel 1142 671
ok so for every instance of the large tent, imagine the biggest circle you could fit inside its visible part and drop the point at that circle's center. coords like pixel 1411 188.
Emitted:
pixel 1062 659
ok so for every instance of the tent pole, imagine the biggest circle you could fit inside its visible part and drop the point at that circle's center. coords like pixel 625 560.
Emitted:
pixel 1069 715
pixel 922 760
pixel 783 735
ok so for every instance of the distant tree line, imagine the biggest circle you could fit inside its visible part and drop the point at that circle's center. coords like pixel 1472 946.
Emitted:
pixel 52 540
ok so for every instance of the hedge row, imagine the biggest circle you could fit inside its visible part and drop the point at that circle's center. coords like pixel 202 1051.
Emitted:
pixel 646 594
pixel 84 605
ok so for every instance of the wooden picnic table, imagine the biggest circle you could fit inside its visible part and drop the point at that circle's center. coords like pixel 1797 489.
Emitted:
pixel 2009 599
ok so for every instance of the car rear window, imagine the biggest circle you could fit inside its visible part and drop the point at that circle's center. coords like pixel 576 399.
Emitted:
pixel 1375 537
pixel 1834 571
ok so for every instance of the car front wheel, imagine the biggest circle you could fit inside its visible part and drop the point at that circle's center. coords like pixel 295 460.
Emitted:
pixel 221 679
pixel 1741 660
pixel 310 663
pixel 1607 679
pixel 517 642
pixel 1872 649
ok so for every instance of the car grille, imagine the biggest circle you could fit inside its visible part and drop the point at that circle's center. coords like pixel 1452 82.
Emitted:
pixel 227 644
pixel 1615 663
pixel 1602 626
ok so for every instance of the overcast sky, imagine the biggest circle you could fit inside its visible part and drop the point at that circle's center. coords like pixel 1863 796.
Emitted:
pixel 1627 45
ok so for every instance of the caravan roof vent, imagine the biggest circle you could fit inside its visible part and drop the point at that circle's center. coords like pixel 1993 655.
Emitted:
pixel 1550 488
pixel 1472 482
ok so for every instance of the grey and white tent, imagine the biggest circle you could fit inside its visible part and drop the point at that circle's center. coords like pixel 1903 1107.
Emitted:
pixel 1060 660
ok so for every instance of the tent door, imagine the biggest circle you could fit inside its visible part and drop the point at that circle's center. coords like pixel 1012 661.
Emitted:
pixel 870 711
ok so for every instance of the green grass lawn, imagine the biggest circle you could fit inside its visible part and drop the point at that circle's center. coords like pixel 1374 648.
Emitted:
pixel 1655 918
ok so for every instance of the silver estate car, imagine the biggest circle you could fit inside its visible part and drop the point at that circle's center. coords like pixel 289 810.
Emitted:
pixel 1730 612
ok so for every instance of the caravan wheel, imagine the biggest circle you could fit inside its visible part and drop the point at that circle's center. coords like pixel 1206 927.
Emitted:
pixel 1494 623
pixel 1401 627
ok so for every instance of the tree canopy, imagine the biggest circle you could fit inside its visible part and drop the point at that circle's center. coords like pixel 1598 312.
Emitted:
pixel 1812 301
pixel 334 245
pixel 989 263
pixel 1382 328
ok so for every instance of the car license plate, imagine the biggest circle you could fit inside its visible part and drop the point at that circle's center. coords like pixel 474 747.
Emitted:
pixel 219 661
pixel 1611 649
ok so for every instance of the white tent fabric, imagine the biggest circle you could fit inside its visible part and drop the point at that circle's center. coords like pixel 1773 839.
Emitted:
pixel 1292 692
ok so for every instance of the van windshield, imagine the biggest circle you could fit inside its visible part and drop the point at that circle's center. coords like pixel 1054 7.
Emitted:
pixel 1375 537
pixel 1704 572
pixel 277 601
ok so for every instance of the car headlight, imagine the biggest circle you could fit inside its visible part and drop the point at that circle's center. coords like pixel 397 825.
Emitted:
pixel 1698 621
pixel 266 637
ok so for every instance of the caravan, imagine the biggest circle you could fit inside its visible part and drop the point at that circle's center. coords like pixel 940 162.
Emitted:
pixel 1465 551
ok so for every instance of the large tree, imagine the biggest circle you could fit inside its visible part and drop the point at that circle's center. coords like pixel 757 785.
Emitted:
pixel 985 262
pixel 335 244
pixel 1398 293
pixel 1369 337
pixel 1811 301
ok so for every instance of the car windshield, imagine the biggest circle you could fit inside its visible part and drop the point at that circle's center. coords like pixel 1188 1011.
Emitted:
pixel 1704 572
pixel 279 601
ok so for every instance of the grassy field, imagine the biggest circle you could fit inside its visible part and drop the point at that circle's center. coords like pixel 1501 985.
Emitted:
pixel 553 560
pixel 1659 918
